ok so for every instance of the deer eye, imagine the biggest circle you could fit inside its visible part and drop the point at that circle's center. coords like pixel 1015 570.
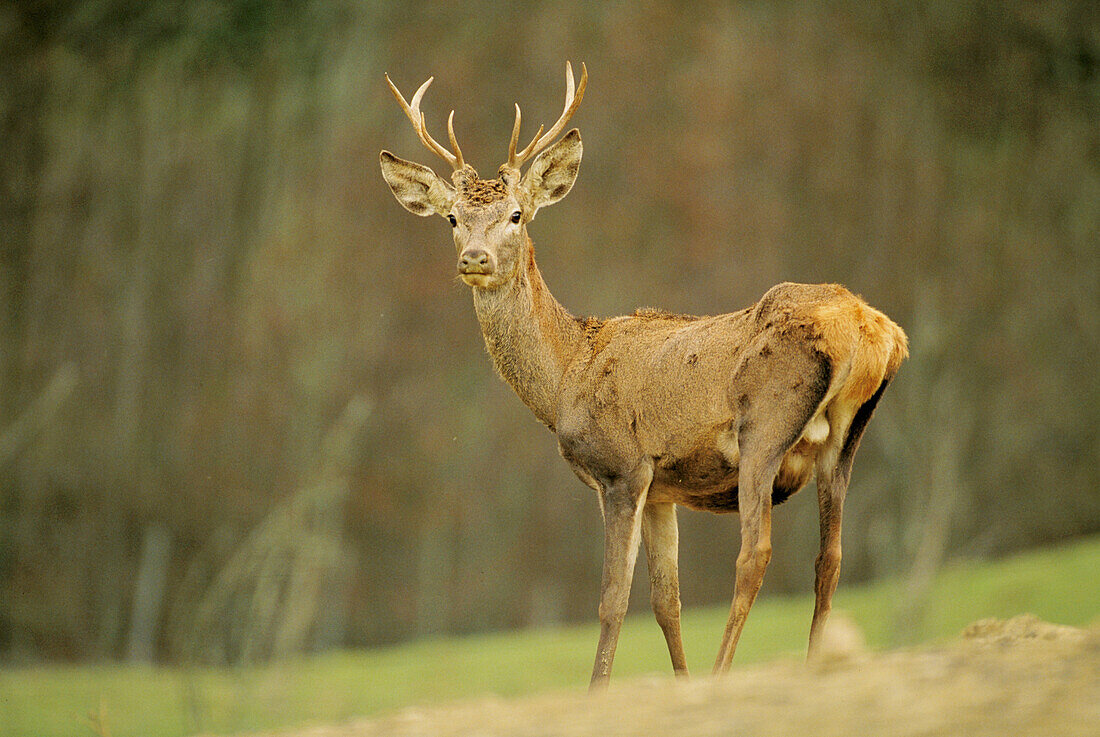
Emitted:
pixel 454 221
pixel 516 216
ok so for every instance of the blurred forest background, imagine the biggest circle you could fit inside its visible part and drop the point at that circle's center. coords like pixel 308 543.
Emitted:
pixel 235 376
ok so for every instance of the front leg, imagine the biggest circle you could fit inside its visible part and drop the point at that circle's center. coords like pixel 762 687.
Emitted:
pixel 659 533
pixel 621 501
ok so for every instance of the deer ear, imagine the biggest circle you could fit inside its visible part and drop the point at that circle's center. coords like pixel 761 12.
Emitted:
pixel 553 172
pixel 419 189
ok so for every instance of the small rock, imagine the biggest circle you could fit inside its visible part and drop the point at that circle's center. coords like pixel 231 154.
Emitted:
pixel 842 637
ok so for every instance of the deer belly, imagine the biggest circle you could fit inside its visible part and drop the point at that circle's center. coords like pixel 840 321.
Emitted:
pixel 708 482
pixel 704 480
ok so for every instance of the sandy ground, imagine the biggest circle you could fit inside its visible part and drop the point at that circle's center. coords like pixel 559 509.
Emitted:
pixel 1016 677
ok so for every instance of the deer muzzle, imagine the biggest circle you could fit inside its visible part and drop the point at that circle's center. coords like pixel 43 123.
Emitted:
pixel 475 261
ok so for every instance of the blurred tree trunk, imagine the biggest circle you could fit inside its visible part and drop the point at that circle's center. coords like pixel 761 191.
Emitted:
pixel 148 599
pixel 24 79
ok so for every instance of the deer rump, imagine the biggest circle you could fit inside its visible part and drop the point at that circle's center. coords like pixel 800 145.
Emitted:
pixel 816 355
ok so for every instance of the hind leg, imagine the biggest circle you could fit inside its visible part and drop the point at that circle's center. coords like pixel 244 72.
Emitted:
pixel 832 484
pixel 833 472
pixel 754 500
pixel 787 391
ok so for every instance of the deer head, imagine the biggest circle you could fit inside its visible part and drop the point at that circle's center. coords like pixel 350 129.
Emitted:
pixel 489 217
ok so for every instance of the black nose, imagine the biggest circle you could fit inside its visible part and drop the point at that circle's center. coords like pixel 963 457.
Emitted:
pixel 475 261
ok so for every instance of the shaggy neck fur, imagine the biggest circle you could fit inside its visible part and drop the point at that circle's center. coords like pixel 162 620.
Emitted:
pixel 530 336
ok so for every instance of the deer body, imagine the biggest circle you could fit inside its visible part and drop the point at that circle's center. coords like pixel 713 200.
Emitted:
pixel 675 390
pixel 723 413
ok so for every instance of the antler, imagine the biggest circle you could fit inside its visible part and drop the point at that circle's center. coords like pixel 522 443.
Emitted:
pixel 417 119
pixel 539 142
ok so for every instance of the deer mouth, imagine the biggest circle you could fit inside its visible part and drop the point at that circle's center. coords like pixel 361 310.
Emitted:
pixel 476 278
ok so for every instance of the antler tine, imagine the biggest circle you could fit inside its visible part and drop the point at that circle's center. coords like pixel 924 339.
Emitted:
pixel 572 102
pixel 515 160
pixel 515 137
pixel 573 97
pixel 404 105
pixel 416 117
pixel 459 163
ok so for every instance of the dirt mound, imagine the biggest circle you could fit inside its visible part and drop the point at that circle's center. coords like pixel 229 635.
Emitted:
pixel 1002 677
pixel 1024 627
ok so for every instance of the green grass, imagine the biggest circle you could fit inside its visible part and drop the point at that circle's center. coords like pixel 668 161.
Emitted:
pixel 1057 584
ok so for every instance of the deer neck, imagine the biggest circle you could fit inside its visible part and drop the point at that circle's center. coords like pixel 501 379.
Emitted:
pixel 530 336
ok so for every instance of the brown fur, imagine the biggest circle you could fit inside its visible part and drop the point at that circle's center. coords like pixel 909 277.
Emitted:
pixel 479 192
pixel 732 412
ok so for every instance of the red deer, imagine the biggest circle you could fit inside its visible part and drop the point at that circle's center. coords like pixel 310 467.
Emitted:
pixel 725 413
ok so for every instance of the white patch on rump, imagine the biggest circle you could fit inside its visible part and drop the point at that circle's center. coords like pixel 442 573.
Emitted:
pixel 816 431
